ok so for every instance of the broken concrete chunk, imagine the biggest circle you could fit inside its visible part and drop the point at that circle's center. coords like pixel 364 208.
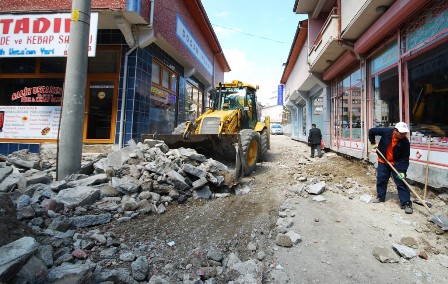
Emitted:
pixel 316 188
pixel 385 255
pixel 14 255
pixel 295 238
pixel 5 172
pixel 22 163
pixel 90 220
pixel 177 180
pixel 126 185
pixel 200 182
pixel 284 240
pixel 192 154
pixel 202 193
pixel 195 171
pixel 14 180
pixel 404 251
pixel 91 180
pixel 78 196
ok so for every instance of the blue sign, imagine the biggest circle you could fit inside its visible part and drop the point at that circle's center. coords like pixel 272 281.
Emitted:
pixel 280 91
pixel 187 38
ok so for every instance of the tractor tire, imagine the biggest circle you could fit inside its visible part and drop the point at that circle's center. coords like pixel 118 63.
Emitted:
pixel 264 146
pixel 250 144
pixel 180 128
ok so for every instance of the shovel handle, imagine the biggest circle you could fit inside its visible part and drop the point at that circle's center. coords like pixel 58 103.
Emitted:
pixel 405 182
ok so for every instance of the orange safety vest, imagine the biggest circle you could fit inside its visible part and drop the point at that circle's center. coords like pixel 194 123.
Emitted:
pixel 389 152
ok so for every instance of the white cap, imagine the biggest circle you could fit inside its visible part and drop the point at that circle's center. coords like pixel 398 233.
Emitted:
pixel 402 127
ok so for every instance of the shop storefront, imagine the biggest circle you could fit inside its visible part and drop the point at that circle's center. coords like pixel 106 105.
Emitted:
pixel 149 69
pixel 424 53
pixel 405 80
pixel 347 115
pixel 394 70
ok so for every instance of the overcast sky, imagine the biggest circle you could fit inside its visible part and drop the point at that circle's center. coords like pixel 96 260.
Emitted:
pixel 256 37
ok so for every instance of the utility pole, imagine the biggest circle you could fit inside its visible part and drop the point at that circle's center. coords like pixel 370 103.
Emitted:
pixel 72 116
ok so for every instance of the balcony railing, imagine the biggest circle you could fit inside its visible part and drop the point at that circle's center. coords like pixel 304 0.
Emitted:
pixel 328 33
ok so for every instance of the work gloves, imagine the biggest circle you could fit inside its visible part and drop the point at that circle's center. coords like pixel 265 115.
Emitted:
pixel 374 146
pixel 401 176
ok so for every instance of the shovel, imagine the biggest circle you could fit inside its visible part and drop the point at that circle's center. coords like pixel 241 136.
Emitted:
pixel 429 204
pixel 435 219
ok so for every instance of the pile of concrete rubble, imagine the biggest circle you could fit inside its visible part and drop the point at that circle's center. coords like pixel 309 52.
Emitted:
pixel 142 178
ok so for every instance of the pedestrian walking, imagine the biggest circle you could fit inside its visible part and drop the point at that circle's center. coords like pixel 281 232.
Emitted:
pixel 395 147
pixel 314 139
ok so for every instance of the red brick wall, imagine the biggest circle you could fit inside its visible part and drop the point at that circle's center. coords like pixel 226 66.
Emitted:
pixel 59 5
pixel 165 25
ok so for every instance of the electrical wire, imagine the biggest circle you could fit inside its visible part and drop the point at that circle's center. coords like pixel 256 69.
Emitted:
pixel 262 37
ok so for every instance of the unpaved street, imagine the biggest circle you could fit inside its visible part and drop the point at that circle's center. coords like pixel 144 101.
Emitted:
pixel 338 235
pixel 294 220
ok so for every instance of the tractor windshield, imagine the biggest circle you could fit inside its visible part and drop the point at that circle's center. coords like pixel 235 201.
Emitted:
pixel 232 98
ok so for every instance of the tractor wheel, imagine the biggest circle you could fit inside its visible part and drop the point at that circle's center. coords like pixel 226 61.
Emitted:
pixel 264 146
pixel 250 144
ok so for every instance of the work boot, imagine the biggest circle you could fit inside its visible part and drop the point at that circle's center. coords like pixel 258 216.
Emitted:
pixel 378 200
pixel 408 208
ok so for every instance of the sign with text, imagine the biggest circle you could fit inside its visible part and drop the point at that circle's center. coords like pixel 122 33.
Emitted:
pixel 40 35
pixel 280 91
pixel 188 40
pixel 29 122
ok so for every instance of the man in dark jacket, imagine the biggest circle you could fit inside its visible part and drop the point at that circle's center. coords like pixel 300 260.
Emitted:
pixel 395 147
pixel 314 138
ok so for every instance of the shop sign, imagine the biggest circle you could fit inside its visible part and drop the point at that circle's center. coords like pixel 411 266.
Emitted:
pixel 424 27
pixel 280 92
pixel 40 35
pixel 29 122
pixel 38 94
pixel 188 40
pixel 162 98
pixel 385 58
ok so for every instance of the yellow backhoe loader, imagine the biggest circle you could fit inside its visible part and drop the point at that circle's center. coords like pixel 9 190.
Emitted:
pixel 230 131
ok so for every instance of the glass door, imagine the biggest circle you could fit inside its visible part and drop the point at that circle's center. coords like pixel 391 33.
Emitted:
pixel 100 114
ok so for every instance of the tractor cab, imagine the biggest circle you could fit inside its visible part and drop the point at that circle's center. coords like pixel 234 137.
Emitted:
pixel 235 95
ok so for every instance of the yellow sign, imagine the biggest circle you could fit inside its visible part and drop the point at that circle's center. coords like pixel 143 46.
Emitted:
pixel 75 15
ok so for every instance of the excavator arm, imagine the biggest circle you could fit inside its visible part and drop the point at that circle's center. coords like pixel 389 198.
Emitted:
pixel 420 103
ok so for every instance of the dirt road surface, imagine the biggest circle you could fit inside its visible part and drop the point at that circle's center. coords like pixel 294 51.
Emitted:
pixel 338 235
pixel 339 229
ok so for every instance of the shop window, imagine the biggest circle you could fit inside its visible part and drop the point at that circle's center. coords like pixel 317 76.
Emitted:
pixel 356 114
pixel 318 109
pixel 193 102
pixel 163 77
pixel 105 61
pixel 173 83
pixel 163 99
pixel 155 76
pixel 52 64
pixel 304 121
pixel 385 98
pixel 428 96
pixel 18 65
pixel 30 108
pixel 162 111
pixel 347 116
pixel 344 117
pixel 30 104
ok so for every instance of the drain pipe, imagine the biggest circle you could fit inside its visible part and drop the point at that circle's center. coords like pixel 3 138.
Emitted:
pixel 125 80
pixel 124 96
pixel 151 14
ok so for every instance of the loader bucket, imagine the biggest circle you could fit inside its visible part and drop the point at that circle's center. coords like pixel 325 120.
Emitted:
pixel 224 148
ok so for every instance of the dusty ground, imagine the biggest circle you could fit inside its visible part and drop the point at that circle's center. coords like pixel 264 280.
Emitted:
pixel 338 235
